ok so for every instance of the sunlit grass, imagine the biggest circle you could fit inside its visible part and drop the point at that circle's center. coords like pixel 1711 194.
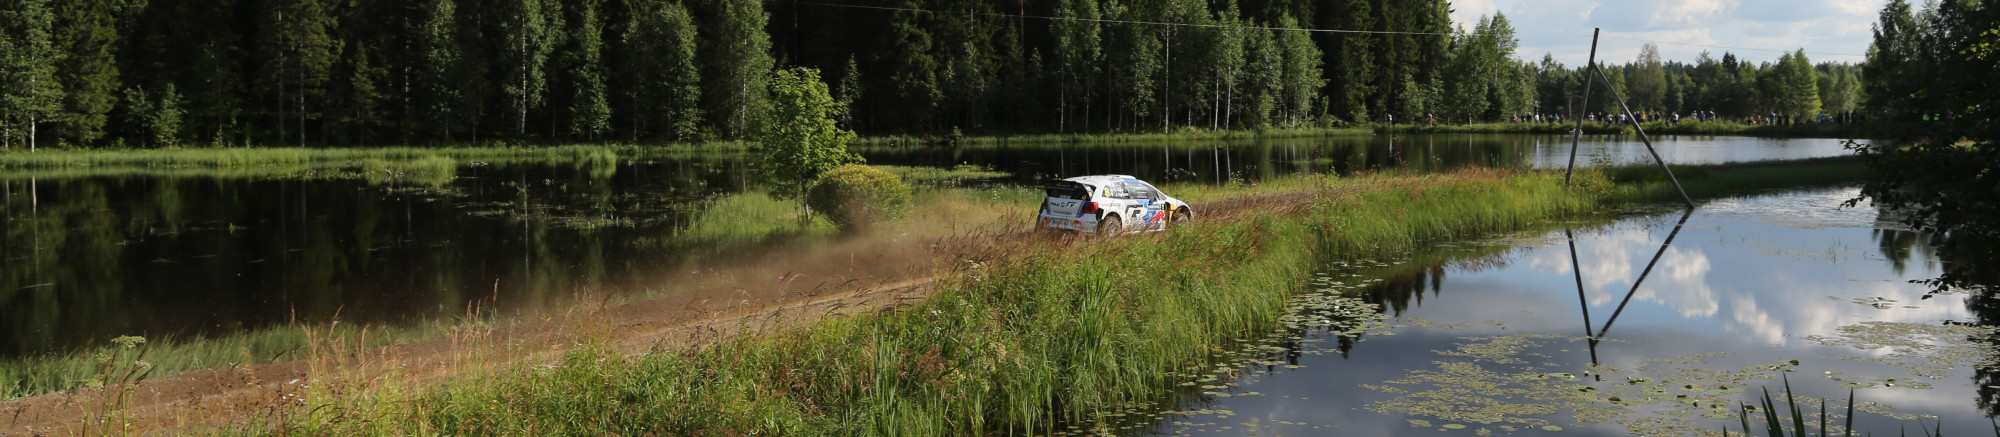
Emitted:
pixel 741 218
pixel 933 177
pixel 34 375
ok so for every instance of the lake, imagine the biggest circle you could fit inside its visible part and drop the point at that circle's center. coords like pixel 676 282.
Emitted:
pixel 1556 333
pixel 188 253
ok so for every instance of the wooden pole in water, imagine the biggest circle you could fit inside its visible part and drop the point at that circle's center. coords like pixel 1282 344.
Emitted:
pixel 1576 137
pixel 1577 268
pixel 1634 118
pixel 1644 273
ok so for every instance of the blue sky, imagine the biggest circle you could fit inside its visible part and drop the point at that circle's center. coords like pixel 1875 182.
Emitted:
pixel 1826 29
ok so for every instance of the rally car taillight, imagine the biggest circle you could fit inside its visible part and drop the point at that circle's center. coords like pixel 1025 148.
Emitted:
pixel 1089 208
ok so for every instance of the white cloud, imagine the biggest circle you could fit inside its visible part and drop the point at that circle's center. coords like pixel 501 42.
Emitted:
pixel 1755 30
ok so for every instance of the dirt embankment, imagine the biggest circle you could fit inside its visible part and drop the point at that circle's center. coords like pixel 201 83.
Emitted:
pixel 777 292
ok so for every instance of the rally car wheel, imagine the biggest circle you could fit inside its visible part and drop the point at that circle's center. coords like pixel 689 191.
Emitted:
pixel 1181 216
pixel 1111 225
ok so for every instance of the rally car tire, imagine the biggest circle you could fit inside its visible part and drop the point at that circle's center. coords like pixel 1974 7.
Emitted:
pixel 1111 225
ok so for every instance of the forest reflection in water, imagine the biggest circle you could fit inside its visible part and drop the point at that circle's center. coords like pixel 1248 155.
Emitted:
pixel 95 252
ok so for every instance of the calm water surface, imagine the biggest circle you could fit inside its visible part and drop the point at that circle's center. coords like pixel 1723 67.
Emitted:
pixel 88 258
pixel 1498 343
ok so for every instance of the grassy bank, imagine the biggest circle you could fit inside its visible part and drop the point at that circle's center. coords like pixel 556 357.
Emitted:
pixel 724 225
pixel 1018 340
pixel 1646 183
pixel 1024 338
pixel 1508 128
pixel 1654 128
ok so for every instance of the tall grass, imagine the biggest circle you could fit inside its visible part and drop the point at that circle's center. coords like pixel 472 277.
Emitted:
pixel 735 219
pixel 1018 340
pixel 1642 183
pixel 1511 128
pixel 1863 130
pixel 34 375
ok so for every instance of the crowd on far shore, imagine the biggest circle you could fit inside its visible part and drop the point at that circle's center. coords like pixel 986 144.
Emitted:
pixel 1771 119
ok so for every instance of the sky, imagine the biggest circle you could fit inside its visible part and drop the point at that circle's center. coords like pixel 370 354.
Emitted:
pixel 1828 30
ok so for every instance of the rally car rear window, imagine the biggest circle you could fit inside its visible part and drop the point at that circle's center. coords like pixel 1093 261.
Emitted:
pixel 1069 190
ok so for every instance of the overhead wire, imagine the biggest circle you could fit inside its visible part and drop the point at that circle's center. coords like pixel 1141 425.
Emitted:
pixel 1289 29
pixel 1731 48
pixel 1111 21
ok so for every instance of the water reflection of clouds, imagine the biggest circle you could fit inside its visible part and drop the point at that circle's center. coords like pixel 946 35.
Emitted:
pixel 1738 268
pixel 1612 259
pixel 1731 283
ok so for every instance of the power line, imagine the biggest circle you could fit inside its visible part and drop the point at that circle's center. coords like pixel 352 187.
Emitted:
pixel 1109 21
pixel 1733 48
pixel 1212 26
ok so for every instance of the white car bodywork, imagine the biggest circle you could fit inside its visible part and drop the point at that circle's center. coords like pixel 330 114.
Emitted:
pixel 1110 204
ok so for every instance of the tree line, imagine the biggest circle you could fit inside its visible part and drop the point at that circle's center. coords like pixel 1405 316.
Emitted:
pixel 149 73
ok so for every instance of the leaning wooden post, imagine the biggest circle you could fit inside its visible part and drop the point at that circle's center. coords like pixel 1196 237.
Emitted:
pixel 1634 118
pixel 1576 137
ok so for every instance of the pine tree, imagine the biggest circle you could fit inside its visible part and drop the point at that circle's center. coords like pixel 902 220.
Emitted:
pixel 29 93
pixel 663 85
pixel 1263 78
pixel 1135 54
pixel 299 51
pixel 849 91
pixel 355 107
pixel 442 71
pixel 87 30
pixel 1891 58
pixel 589 107
pixel 1079 52
pixel 1301 73
pixel 912 73
pixel 1350 61
pixel 1790 87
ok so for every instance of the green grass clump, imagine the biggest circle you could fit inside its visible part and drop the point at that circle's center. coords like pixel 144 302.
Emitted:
pixel 934 177
pixel 741 218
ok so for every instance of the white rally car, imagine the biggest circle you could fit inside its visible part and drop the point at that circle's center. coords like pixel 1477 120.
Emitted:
pixel 1110 205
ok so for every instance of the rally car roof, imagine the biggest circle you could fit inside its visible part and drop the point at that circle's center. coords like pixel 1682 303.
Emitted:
pixel 1101 179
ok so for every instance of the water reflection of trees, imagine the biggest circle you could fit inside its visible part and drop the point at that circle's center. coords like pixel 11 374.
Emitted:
pixel 1398 293
pixel 86 259
pixel 1902 248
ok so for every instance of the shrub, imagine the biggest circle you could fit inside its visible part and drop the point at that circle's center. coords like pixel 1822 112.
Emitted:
pixel 855 196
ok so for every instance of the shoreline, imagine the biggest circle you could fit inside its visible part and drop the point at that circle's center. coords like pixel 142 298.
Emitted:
pixel 300 160
pixel 1279 231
